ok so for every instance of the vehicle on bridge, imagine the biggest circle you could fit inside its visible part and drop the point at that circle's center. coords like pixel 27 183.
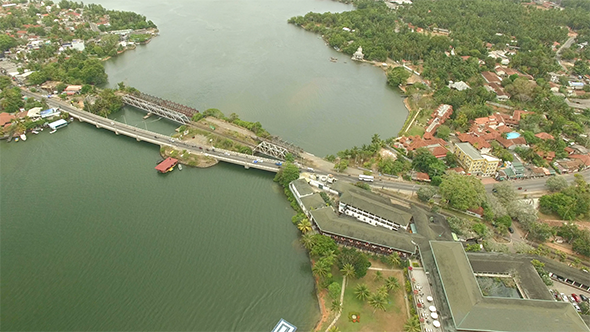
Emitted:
pixel 366 178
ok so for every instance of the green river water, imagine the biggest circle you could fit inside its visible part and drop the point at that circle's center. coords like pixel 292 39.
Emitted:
pixel 92 238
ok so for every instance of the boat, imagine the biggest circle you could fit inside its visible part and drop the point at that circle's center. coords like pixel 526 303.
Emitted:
pixel 53 131
pixel 147 116
pixel 179 167
pixel 333 59
pixel 35 132
pixel 16 139
pixel 23 137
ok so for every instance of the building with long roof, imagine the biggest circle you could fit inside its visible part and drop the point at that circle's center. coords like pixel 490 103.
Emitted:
pixel 471 311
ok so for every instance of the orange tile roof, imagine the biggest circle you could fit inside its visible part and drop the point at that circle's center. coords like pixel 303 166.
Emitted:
pixel 5 118
pixel 544 136
pixel 583 157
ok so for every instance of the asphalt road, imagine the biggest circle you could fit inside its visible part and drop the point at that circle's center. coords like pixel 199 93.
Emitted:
pixel 528 185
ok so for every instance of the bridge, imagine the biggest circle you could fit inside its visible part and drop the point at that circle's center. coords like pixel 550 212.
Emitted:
pixel 274 147
pixel 144 135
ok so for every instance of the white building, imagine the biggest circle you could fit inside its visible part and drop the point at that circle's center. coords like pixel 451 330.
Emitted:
pixel 358 55
pixel 370 208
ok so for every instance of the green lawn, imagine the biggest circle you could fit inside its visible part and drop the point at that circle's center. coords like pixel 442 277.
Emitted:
pixel 415 131
pixel 391 320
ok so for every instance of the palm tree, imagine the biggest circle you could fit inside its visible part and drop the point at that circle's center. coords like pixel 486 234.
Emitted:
pixel 378 301
pixel 334 329
pixel 304 226
pixel 361 291
pixel 348 270
pixel 378 276
pixel 412 324
pixel 320 270
pixel 335 305
pixel 394 259
pixel 308 241
pixel 392 284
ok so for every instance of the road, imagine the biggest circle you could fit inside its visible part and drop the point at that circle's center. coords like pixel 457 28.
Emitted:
pixel 159 139
pixel 527 186
pixel 567 44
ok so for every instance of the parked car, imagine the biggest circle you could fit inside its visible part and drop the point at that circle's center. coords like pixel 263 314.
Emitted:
pixel 564 297
pixel 511 230
pixel 576 298
pixel 584 297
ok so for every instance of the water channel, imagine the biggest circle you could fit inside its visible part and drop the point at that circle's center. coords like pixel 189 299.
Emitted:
pixel 93 239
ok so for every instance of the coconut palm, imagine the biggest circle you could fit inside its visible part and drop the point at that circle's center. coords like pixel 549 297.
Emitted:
pixel 304 226
pixel 392 284
pixel 334 329
pixel 412 324
pixel 361 291
pixel 320 269
pixel 378 276
pixel 308 241
pixel 383 291
pixel 335 305
pixel 378 301
pixel 394 259
pixel 348 270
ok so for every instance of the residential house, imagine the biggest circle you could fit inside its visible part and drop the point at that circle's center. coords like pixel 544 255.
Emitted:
pixel 544 136
pixel 5 119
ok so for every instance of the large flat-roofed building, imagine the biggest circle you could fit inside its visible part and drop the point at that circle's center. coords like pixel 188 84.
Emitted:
pixel 475 163
pixel 370 208
pixel 471 311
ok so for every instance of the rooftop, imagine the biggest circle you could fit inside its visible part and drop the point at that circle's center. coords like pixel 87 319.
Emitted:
pixel 329 222
pixel 469 150
pixel 372 203
pixel 472 312
pixel 302 187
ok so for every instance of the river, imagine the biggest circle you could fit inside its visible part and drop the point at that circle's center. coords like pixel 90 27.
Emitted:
pixel 92 238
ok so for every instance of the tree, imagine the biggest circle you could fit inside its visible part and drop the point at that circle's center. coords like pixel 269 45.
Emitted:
pixel 378 301
pixel 348 270
pixel 392 284
pixel 341 165
pixel 304 226
pixel 556 183
pixel 393 259
pixel 307 241
pixel 335 306
pixel 356 258
pixel 334 290
pixel 321 269
pixel 288 172
pixel 443 132
pixel 504 220
pixel 412 324
pixel 462 192
pixel 425 193
pixel 451 160
pixel 540 231
pixel 361 291
pixel 505 193
pixel 378 276
pixel 397 76
pixel 425 161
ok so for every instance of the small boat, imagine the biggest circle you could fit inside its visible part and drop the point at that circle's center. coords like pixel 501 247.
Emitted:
pixel 147 116
pixel 16 139
pixel 179 167
pixel 333 59
pixel 23 137
pixel 53 131
pixel 35 132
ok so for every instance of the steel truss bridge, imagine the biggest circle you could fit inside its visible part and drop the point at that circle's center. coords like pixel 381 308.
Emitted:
pixel 161 107
pixel 275 147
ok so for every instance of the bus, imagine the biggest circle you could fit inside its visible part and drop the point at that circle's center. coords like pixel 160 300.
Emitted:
pixel 367 178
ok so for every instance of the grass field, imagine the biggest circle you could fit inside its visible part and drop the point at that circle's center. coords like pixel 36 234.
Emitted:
pixel 392 319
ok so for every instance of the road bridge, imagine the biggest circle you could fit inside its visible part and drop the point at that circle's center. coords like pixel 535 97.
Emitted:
pixel 144 135
pixel 273 147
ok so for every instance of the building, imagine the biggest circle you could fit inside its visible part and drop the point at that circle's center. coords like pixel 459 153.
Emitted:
pixel 73 89
pixel 475 163
pixel 344 229
pixel 438 117
pixel 34 113
pixel 472 311
pixel 358 55
pixel 370 208
pixel 6 119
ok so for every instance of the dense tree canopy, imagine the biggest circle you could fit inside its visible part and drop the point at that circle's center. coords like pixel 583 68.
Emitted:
pixel 462 192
